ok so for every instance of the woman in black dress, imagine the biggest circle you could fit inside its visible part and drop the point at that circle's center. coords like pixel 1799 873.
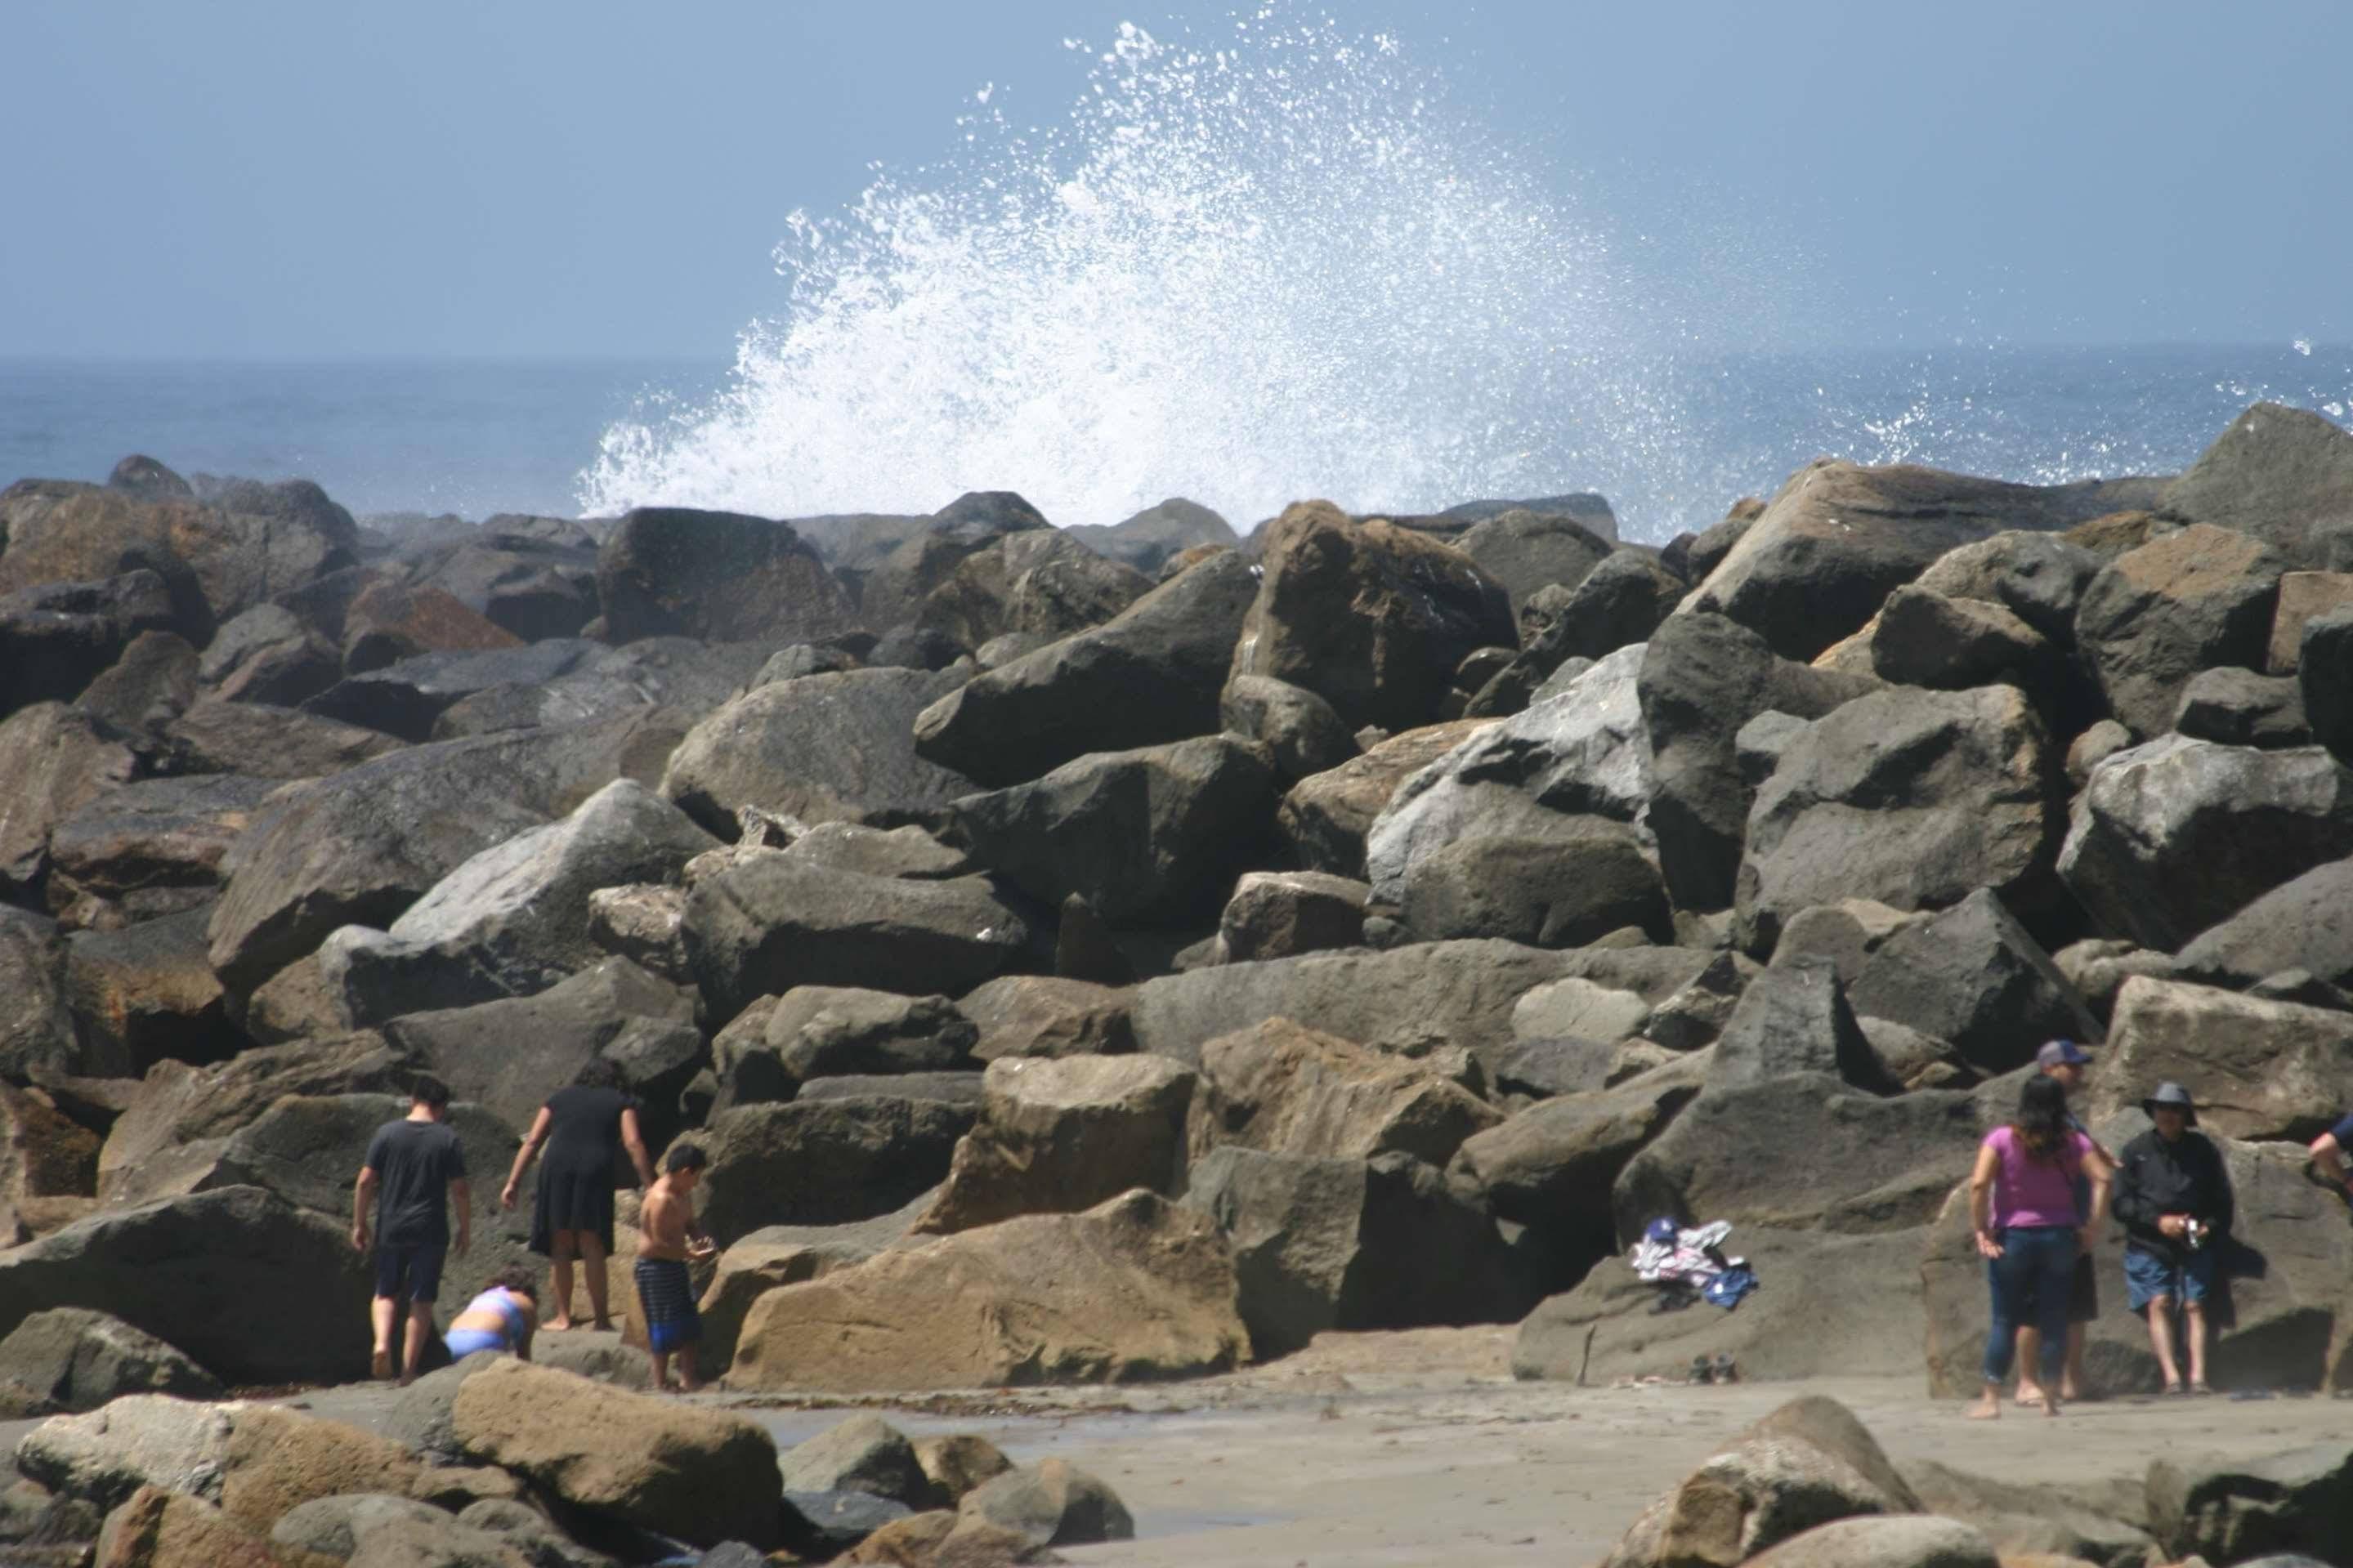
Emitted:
pixel 584 1128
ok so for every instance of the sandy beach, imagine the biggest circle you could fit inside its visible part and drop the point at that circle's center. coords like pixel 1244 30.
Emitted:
pixel 1417 1447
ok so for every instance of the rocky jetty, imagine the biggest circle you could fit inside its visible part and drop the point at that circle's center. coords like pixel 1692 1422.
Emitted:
pixel 1112 953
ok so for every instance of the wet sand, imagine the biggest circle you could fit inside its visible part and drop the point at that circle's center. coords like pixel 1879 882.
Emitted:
pixel 1417 1447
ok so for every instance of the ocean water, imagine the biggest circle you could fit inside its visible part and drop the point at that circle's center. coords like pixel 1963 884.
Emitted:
pixel 1278 261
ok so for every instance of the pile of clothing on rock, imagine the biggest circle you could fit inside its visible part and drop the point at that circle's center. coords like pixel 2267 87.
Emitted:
pixel 1689 1266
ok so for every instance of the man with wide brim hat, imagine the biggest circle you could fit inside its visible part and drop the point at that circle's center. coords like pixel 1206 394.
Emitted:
pixel 2173 1196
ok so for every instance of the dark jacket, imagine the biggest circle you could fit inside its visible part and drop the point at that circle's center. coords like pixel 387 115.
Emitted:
pixel 2155 1178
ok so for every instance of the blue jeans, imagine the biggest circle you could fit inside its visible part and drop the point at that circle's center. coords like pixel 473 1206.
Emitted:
pixel 2030 1282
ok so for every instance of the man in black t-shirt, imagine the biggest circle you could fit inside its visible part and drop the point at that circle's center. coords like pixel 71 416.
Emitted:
pixel 414 1167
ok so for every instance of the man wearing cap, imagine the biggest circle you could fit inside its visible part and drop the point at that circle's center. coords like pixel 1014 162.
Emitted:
pixel 2065 1061
pixel 2173 1196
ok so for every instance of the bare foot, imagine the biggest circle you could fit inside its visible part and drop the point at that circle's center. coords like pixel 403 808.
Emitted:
pixel 603 1325
pixel 1988 1408
pixel 2049 1407
pixel 558 1326
pixel 2071 1391
pixel 380 1365
pixel 2029 1396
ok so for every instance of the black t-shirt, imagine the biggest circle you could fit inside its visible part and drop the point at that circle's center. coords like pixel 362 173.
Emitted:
pixel 586 1123
pixel 415 1161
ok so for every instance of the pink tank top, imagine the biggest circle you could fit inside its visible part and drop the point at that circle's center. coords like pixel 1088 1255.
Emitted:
pixel 2031 1192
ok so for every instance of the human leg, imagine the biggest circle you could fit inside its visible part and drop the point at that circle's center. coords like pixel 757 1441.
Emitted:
pixel 421 1331
pixel 384 1308
pixel 2197 1281
pixel 592 1265
pixel 560 1251
pixel 2005 1290
pixel 2053 1254
pixel 689 1379
pixel 2150 1287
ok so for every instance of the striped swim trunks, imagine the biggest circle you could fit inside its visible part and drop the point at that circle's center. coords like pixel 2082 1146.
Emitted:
pixel 667 1294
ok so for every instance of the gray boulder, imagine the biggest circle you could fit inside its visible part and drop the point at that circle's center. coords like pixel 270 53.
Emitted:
pixel 1146 837
pixel 1793 1018
pixel 2325 679
pixel 1061 1135
pixel 513 920
pixel 406 698
pixel 1581 753
pixel 1315 1241
pixel 1923 637
pixel 2257 1069
pixel 81 1360
pixel 152 684
pixel 1703 676
pixel 864 1453
pixel 1281 914
pixel 823 1161
pixel 1153 674
pixel 1839 538
pixel 2234 707
pixel 260 742
pixel 893 592
pixel 2304 923
pixel 151 848
pixel 2175 835
pixel 770 923
pixel 1619 604
pixel 2038 578
pixel 243 1281
pixel 146 993
pixel 1914 799
pixel 2184 602
pixel 826 1031
pixel 54 760
pixel 335 1526
pixel 177 1446
pixel 1525 551
pixel 1325 818
pixel 1053 1503
pixel 824 748
pixel 36 1030
pixel 1299 729
pixel 56 638
pixel 2278 474
pixel 1586 878
pixel 1973 977
pixel 1911 1540
pixel 2299 1501
pixel 1373 617
pixel 1041 582
pixel 715 575
pixel 1155 535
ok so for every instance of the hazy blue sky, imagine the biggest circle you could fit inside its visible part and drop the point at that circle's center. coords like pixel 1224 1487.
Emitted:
pixel 524 177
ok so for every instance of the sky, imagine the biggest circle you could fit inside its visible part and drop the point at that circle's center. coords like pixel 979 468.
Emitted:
pixel 276 179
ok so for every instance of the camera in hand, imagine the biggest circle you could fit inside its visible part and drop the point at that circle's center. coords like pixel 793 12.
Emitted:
pixel 2194 1233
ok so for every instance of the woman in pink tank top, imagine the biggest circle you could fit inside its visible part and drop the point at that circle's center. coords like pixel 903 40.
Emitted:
pixel 2022 1204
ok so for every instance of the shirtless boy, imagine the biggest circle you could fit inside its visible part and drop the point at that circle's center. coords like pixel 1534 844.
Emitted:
pixel 667 1238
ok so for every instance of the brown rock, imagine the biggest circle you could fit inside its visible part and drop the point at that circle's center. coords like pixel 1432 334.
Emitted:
pixel 2303 596
pixel 54 760
pixel 157 1529
pixel 1136 1288
pixel 1058 1136
pixel 1289 1090
pixel 958 1463
pixel 260 742
pixel 391 621
pixel 43 1154
pixel 1326 816
pixel 1048 1015
pixel 279 1459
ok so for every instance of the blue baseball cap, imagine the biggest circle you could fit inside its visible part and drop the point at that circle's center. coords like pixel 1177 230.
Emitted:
pixel 2062 1054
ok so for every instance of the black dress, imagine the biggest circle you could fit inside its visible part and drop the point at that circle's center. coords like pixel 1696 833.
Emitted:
pixel 575 1173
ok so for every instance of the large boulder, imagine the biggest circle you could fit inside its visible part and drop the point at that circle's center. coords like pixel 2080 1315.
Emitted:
pixel 864 1453
pixel 1151 675
pixel 1581 753
pixel 35 1029
pixel 180 1115
pixel 1526 551
pixel 703 1475
pixel 835 1031
pixel 1973 977
pixel 2176 836
pixel 770 923
pixel 278 1459
pixel 1416 997
pixel 2184 602
pixel 1039 581
pixel 152 684
pixel 687 679
pixel 1136 1288
pixel 77 1360
pixel 248 1285
pixel 2257 1069
pixel 2297 1504
pixel 1372 617
pixel 1146 837
pixel 1048 1015
pixel 1909 1541
pixel 2304 923
pixel 824 748
pixel 1830 1305
pixel 44 1154
pixel 1839 538
pixel 388 622
pixel 218 560
pixel 155 1440
pixel 1789 1474
pixel 512 921
pixel 2038 578
pixel 2279 1319
pixel 1793 1018
pixel 1925 639
pixel 1155 535
pixel 1618 605
pixel 511 1054
pixel 522 575
pixel 1912 798
pixel 1306 736
pixel 147 992
pixel 260 742
pixel 57 638
pixel 1574 884
pixel 359 847
pixel 920 562
pixel 1704 677
pixel 1289 1090
pixel 150 848
pixel 1280 914
pixel 1051 1503
pixel 2303 597
pixel 54 760
pixel 1058 1135
pixel 1803 1150
pixel 823 1161
pixel 406 697
pixel 777 1255
pixel 716 575
pixel 2277 474
pixel 1315 1240
pixel 1325 818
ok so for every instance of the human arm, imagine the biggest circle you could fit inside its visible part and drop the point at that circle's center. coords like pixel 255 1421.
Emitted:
pixel 633 1138
pixel 2328 1153
pixel 1981 1200
pixel 2099 1172
pixel 531 1143
pixel 362 1200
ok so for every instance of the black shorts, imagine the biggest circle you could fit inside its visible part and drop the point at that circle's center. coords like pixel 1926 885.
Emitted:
pixel 411 1272
pixel 2083 1295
